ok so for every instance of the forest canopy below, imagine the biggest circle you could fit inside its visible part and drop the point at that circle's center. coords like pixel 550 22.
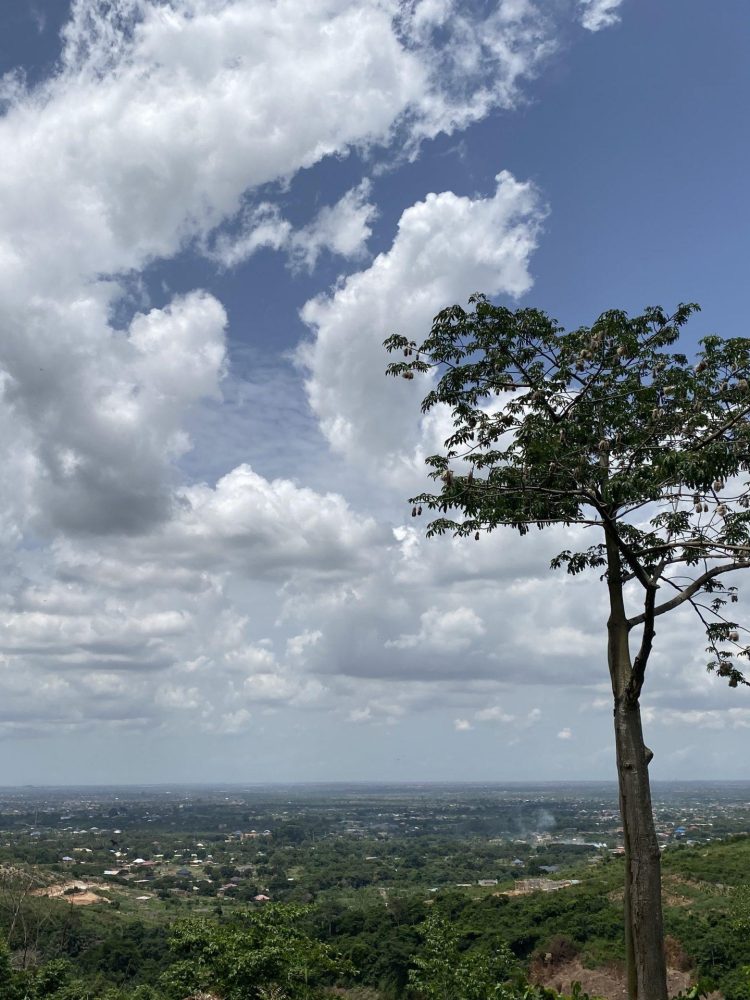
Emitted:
pixel 386 895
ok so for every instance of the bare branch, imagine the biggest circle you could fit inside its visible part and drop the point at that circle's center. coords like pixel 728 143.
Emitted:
pixel 638 675
pixel 688 592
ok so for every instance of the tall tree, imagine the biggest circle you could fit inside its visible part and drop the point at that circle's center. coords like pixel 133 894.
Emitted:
pixel 604 427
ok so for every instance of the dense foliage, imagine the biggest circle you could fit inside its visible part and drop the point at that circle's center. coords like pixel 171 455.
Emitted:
pixel 453 945
pixel 393 906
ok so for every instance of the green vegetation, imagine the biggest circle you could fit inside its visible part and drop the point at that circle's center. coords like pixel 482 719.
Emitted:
pixel 374 895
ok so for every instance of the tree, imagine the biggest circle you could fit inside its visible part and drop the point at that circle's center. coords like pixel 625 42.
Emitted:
pixel 442 971
pixel 7 984
pixel 257 950
pixel 604 427
pixel 23 915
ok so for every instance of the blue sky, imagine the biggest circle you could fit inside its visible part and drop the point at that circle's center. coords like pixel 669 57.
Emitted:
pixel 212 213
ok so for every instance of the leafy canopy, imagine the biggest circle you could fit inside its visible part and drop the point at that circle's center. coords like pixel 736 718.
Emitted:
pixel 444 970
pixel 248 956
pixel 603 426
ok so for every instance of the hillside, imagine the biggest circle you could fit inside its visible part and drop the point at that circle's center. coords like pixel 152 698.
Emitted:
pixel 367 946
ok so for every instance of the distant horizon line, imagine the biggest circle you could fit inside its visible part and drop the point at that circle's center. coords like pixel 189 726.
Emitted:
pixel 371 783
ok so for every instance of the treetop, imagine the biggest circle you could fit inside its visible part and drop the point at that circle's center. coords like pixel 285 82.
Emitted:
pixel 605 426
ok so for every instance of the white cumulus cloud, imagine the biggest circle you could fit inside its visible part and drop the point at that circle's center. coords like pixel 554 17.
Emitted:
pixel 342 228
pixel 446 247
pixel 136 596
pixel 443 630
pixel 160 122
pixel 598 14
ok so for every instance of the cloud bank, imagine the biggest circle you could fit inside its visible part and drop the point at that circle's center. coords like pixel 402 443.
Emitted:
pixel 142 598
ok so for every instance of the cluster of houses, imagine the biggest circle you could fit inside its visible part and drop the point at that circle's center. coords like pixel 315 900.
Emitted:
pixel 526 885
pixel 145 870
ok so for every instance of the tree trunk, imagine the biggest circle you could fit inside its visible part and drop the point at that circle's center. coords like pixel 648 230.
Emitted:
pixel 644 928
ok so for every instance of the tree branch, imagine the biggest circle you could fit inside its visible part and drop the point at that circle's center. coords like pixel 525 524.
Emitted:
pixel 720 430
pixel 688 592
pixel 635 685
pixel 638 571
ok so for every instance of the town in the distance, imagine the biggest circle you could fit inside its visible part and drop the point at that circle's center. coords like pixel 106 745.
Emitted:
pixel 101 875
pixel 291 843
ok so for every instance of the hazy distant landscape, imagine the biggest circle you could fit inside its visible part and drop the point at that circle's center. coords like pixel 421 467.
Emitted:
pixel 102 873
